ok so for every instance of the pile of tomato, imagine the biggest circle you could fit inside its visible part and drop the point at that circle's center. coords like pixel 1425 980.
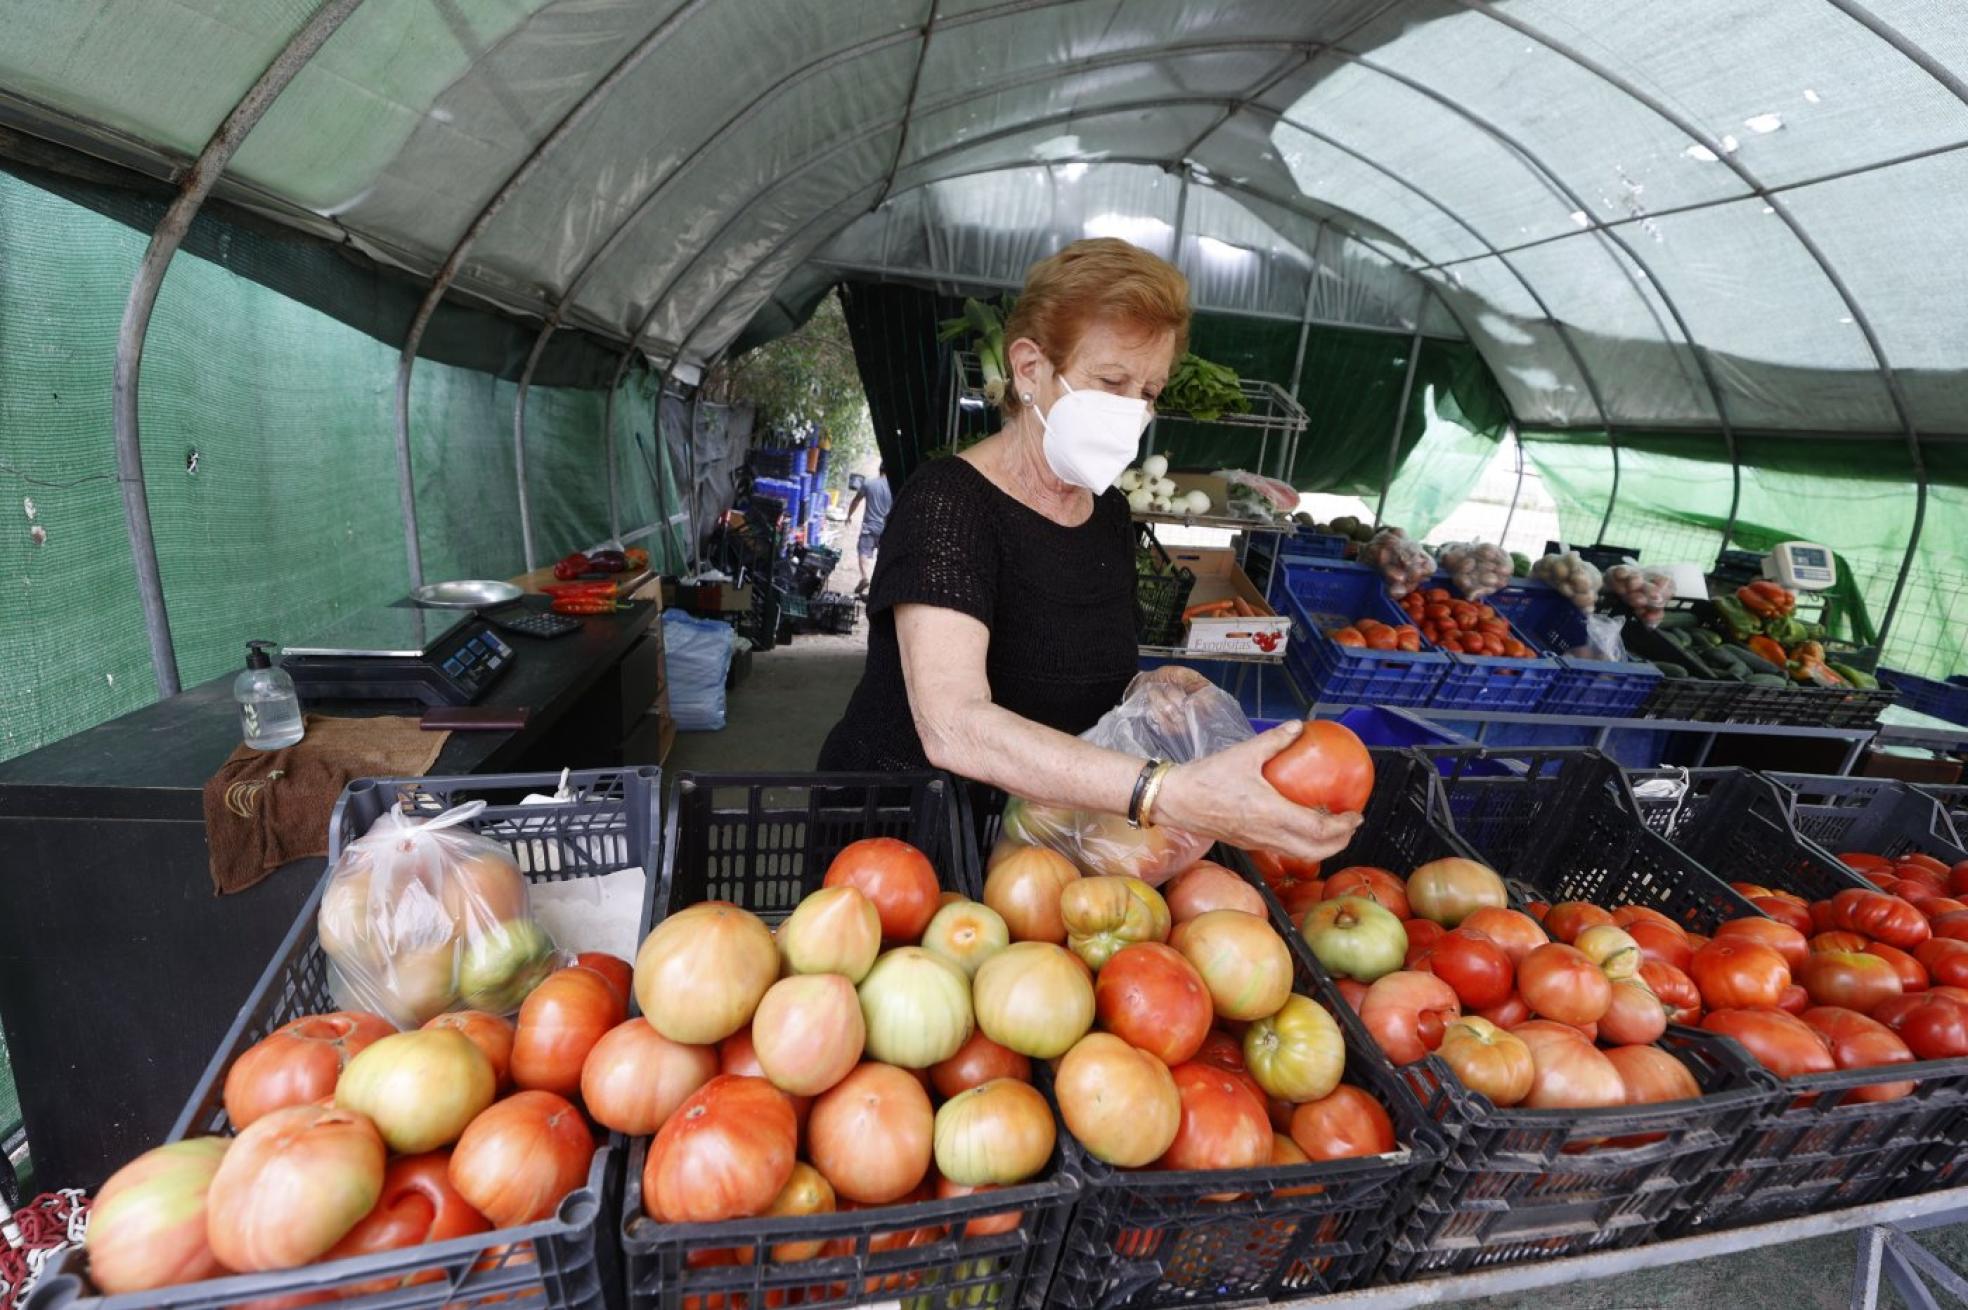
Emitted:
pixel 1863 979
pixel 1372 634
pixel 1464 626
pixel 1557 1011
pixel 354 1138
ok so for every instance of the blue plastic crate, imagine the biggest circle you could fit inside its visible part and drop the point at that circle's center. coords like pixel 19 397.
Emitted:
pixel 1554 625
pixel 1300 546
pixel 1492 682
pixel 1332 594
pixel 1943 700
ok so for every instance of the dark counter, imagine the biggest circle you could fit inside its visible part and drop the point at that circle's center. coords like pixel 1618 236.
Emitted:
pixel 120 971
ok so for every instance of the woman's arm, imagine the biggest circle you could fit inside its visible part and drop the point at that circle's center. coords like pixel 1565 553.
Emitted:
pixel 1223 796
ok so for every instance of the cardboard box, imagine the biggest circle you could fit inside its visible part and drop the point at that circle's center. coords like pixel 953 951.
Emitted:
pixel 1219 577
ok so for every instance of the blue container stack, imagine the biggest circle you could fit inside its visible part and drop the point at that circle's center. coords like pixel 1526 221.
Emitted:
pixel 782 490
pixel 1942 700
pixel 1553 625
pixel 1320 597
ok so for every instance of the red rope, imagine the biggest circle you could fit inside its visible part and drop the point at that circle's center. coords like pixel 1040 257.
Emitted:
pixel 33 1235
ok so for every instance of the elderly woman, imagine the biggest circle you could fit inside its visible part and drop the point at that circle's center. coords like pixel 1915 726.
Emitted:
pixel 1002 619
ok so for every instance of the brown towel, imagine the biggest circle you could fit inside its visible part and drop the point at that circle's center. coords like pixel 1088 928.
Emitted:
pixel 264 808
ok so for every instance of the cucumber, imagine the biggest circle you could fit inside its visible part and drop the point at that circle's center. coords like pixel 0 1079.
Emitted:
pixel 1768 680
pixel 1677 619
pixel 1670 669
pixel 1731 657
pixel 1708 637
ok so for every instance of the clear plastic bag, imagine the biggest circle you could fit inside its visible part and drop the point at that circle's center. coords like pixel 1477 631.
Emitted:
pixel 1171 714
pixel 1478 569
pixel 1402 564
pixel 424 916
pixel 1602 640
pixel 1644 591
pixel 1577 579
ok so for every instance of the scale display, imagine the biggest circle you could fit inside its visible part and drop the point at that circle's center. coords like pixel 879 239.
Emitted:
pixel 1801 566
pixel 433 657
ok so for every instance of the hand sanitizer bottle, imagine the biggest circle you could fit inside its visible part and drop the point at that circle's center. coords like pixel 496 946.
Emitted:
pixel 269 711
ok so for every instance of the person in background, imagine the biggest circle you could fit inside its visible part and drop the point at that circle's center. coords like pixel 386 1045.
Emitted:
pixel 1001 622
pixel 875 494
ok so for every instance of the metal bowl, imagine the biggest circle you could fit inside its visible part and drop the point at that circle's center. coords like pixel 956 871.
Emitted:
pixel 466 594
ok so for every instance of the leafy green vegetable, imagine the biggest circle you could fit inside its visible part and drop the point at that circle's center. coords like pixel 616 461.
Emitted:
pixel 1203 390
pixel 984 324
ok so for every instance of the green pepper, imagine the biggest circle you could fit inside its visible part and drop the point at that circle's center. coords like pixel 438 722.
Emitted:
pixel 1786 632
pixel 1741 623
pixel 1857 677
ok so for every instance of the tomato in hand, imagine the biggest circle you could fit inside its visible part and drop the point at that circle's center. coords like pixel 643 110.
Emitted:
pixel 1326 768
pixel 1473 965
pixel 1733 973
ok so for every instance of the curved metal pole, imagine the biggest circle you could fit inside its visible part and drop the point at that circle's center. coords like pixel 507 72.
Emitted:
pixel 448 271
pixel 193 187
pixel 519 447
pixel 1577 201
pixel 909 104
pixel 1696 132
pixel 608 446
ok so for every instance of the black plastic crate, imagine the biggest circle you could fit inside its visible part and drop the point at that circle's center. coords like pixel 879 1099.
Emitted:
pixel 610 825
pixel 1876 816
pixel 1736 824
pixel 1825 1148
pixel 1696 700
pixel 1161 592
pixel 1953 798
pixel 1521 1184
pixel 763 842
pixel 1565 827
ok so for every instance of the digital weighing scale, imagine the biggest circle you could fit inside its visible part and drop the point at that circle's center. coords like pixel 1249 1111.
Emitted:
pixel 438 657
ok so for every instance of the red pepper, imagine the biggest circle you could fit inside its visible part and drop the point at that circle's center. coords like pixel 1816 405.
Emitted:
pixel 579 588
pixel 584 605
pixel 572 566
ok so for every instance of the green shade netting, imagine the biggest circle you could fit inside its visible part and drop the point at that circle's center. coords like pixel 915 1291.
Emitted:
pixel 290 517
pixel 1855 496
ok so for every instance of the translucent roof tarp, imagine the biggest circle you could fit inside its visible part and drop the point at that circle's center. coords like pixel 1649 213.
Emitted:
pixel 1645 213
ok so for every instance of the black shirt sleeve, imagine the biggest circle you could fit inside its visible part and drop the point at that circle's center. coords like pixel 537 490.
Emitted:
pixel 940 546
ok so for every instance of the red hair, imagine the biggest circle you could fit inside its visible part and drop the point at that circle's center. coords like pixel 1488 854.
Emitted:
pixel 1099 279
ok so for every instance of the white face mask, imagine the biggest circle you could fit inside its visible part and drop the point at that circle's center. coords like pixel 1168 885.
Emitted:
pixel 1092 436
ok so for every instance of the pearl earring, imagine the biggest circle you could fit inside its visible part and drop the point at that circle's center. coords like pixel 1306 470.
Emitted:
pixel 1027 397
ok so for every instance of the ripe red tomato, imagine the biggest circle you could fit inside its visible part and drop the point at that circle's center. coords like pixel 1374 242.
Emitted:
pixel 1474 965
pixel 1795 1000
pixel 1676 990
pixel 1838 940
pixel 1952 924
pixel 1733 972
pixel 1512 1012
pixel 1422 934
pixel 1781 1043
pixel 1516 932
pixel 519 1159
pixel 418 1205
pixel 1781 938
pixel 1346 1124
pixel 1933 1027
pixel 724 1153
pixel 1352 991
pixel 1857 1042
pixel 1881 917
pixel 896 877
pixel 1222 1051
pixel 1568 919
pixel 1327 768
pixel 298 1062
pixel 1223 1126
pixel 1913 974
pixel 559 1023
pixel 1791 913
pixel 1958 879
pixel 1925 863
pixel 979 1060
pixel 1559 982
pixel 612 967
pixel 1377 885
pixel 1936 906
pixel 1849 979
pixel 1635 1017
pixel 492 1035
pixel 1407 1012
pixel 1945 960
pixel 1658 943
pixel 1300 895
pixel 1152 998
pixel 1628 915
pixel 1864 861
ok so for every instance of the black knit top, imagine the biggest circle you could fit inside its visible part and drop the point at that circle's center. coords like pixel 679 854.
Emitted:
pixel 1059 602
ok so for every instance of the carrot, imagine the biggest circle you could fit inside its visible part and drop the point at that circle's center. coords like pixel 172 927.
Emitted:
pixel 1209 609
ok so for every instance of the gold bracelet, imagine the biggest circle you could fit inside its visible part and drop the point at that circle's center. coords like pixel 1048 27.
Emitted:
pixel 1154 791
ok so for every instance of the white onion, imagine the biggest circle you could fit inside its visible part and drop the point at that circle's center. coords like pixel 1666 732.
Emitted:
pixel 1155 466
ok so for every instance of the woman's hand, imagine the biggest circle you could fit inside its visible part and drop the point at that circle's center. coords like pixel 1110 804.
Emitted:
pixel 1226 797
